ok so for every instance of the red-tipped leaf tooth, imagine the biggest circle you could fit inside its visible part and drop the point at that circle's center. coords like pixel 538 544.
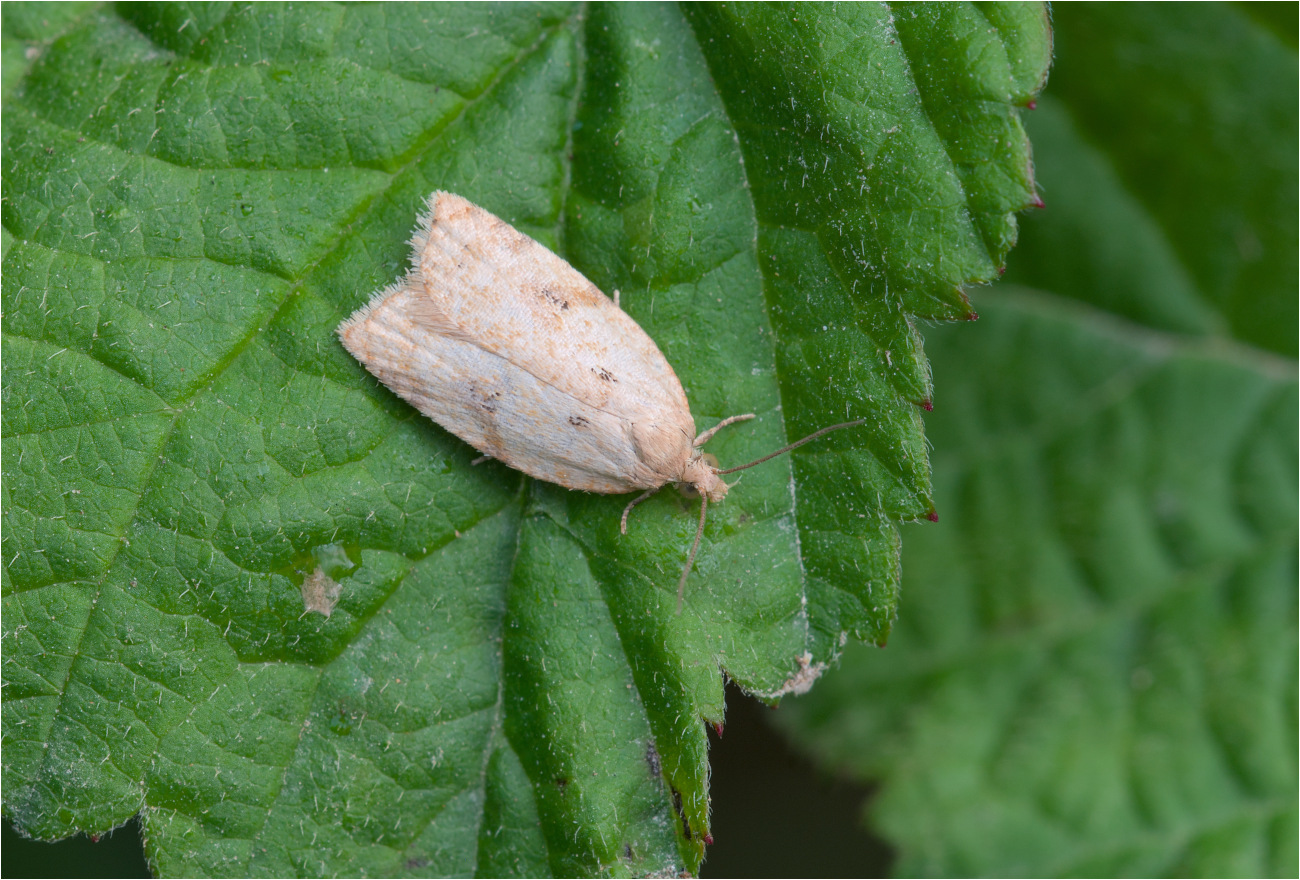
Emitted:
pixel 932 516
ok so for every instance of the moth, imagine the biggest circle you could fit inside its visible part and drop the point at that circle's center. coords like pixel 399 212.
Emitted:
pixel 507 346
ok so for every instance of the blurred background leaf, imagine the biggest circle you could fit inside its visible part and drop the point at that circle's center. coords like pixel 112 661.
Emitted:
pixel 1094 670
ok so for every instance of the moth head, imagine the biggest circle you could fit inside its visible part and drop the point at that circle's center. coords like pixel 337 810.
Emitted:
pixel 700 477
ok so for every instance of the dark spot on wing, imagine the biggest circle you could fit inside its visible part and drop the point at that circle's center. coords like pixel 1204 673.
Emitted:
pixel 487 400
pixel 578 421
pixel 554 298
pixel 604 374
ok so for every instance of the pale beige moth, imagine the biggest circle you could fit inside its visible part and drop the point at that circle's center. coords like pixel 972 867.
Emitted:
pixel 507 346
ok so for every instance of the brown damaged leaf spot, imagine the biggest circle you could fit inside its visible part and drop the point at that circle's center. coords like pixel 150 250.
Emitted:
pixel 653 761
pixel 677 807
pixel 320 592
pixel 799 683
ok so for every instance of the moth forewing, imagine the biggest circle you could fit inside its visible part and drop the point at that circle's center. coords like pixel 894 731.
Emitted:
pixel 514 351
pixel 519 300
pixel 482 398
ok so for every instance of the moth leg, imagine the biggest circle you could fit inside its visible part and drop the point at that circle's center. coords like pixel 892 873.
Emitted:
pixel 729 420
pixel 690 560
pixel 481 459
pixel 616 296
pixel 622 525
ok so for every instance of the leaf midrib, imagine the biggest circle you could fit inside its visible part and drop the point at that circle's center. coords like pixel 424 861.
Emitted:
pixel 1160 348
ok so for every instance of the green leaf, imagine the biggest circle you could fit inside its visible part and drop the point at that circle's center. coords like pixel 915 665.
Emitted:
pixel 1094 671
pixel 253 596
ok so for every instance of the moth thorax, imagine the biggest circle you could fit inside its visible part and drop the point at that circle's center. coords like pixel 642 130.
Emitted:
pixel 699 476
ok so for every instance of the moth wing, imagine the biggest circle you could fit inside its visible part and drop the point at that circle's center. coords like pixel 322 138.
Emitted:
pixel 489 401
pixel 518 300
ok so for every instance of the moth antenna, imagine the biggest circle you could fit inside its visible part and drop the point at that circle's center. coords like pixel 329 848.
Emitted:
pixel 690 560
pixel 729 420
pixel 782 451
pixel 622 524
